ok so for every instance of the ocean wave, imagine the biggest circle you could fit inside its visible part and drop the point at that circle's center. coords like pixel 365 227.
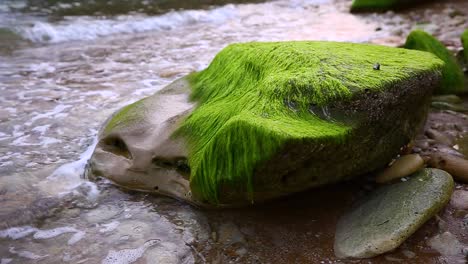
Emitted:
pixel 90 28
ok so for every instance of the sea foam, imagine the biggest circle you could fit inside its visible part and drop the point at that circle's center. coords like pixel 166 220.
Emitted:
pixel 90 28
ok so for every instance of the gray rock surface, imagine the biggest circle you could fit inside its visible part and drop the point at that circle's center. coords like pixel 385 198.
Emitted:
pixel 389 215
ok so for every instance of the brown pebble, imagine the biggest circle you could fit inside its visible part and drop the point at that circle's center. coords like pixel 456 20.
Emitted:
pixel 404 166
pixel 456 166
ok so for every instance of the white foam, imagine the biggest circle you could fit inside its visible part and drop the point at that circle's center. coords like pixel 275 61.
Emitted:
pixel 50 233
pixel 88 28
pixel 127 256
pixel 23 231
pixel 51 114
pixel 68 176
pixel 103 93
pixel 109 227
pixel 41 129
pixel 17 232
pixel 42 68
pixel 45 141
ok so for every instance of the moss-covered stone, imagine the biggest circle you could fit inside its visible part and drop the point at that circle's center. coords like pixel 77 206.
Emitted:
pixel 382 5
pixel 464 40
pixel 270 119
pixel 276 118
pixel 453 81
pixel 383 220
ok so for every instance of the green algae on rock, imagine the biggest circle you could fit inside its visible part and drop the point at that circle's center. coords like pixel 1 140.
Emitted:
pixel 268 115
pixel 389 215
pixel 453 80
pixel 269 119
pixel 381 5
pixel 464 40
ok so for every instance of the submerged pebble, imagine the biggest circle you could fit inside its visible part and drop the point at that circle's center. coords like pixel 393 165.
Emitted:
pixel 446 244
pixel 404 166
pixel 459 199
pixel 230 234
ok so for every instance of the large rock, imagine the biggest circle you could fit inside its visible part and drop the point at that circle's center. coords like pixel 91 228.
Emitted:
pixel 389 215
pixel 453 79
pixel 271 119
pixel 136 150
pixel 382 5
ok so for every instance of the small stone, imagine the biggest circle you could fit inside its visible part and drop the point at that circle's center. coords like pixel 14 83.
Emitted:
pixel 376 67
pixel 456 166
pixel 389 215
pixel 229 234
pixel 241 251
pixel 459 199
pixel 408 253
pixel 404 166
pixel 446 244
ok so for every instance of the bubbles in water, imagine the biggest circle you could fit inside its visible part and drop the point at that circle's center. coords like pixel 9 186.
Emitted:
pixel 127 256
pixel 23 231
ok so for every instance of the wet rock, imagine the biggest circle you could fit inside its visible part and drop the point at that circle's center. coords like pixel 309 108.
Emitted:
pixel 381 5
pixel 453 80
pixel 456 166
pixel 136 150
pixel 381 222
pixel 448 98
pixel 459 199
pixel 449 106
pixel 277 134
pixel 403 166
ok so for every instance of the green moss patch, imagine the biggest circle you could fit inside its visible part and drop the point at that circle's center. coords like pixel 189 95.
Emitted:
pixel 126 116
pixel 453 81
pixel 256 97
pixel 381 5
pixel 464 40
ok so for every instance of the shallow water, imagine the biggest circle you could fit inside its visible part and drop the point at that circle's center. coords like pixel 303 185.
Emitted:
pixel 62 76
